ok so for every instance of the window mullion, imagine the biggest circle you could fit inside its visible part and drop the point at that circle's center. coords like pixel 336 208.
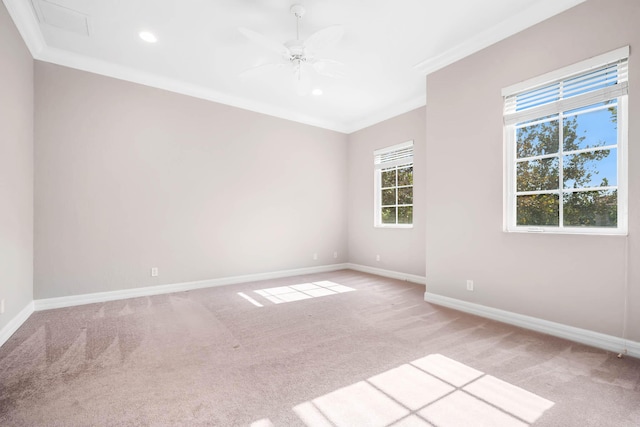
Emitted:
pixel 561 167
pixel 540 157
pixel 591 149
pixel 513 179
pixel 396 194
pixel 589 189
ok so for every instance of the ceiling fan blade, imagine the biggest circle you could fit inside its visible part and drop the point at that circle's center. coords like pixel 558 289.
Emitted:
pixel 266 42
pixel 324 38
pixel 260 69
pixel 330 68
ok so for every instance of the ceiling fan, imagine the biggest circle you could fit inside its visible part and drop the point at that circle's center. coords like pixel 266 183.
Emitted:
pixel 300 55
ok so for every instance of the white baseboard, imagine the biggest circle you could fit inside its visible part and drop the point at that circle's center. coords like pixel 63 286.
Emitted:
pixel 15 323
pixel 583 336
pixel 388 273
pixel 72 300
pixel 633 348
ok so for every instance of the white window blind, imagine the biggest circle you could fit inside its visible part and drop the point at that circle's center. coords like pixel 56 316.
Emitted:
pixel 396 155
pixel 574 91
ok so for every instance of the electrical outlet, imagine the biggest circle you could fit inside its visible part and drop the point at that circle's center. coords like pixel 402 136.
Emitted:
pixel 2 306
pixel 335 254
pixel 470 285
pixel 154 272
pixel 315 256
pixel 378 257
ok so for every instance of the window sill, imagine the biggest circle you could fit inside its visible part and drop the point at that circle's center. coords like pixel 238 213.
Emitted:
pixel 569 231
pixel 393 226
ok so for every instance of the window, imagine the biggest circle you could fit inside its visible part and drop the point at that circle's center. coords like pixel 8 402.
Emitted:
pixel 393 168
pixel 565 149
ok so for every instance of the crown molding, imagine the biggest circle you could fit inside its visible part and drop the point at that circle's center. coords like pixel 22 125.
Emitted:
pixel 98 66
pixel 26 21
pixel 388 113
pixel 532 15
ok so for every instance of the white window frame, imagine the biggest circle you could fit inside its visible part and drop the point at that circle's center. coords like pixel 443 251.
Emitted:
pixel 511 118
pixel 398 155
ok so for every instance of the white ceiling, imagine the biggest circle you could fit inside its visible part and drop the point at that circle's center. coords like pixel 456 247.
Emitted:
pixel 389 47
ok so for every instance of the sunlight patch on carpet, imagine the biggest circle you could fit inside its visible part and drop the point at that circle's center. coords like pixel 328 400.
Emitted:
pixel 433 390
pixel 265 422
pixel 300 292
pixel 251 300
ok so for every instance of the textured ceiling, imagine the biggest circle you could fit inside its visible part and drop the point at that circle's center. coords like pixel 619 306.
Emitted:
pixel 388 47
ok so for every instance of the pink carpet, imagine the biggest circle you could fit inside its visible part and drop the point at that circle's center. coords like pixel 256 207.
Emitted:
pixel 335 349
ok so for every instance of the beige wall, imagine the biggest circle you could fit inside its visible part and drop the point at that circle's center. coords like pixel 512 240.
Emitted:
pixel 574 280
pixel 130 177
pixel 16 170
pixel 400 250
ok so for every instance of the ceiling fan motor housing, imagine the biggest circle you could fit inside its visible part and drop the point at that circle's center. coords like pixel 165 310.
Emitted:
pixel 297 49
pixel 298 10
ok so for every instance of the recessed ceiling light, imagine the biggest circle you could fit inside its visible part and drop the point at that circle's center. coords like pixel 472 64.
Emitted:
pixel 316 92
pixel 147 36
